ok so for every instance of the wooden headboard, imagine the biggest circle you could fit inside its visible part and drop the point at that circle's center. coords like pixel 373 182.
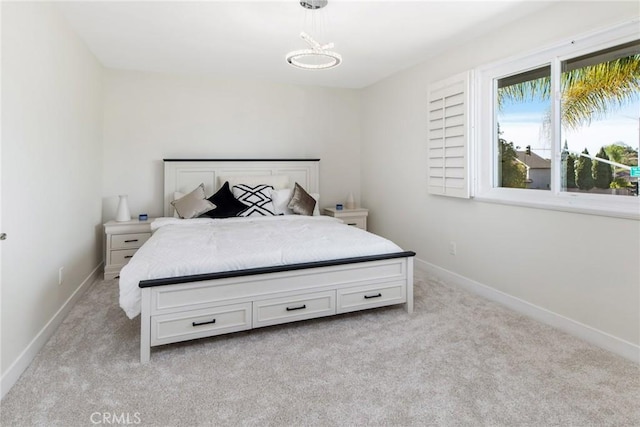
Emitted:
pixel 183 175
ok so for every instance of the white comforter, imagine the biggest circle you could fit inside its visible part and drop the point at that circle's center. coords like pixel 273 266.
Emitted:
pixel 180 247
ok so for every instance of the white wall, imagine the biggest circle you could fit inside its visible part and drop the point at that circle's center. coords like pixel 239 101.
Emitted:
pixel 51 175
pixel 57 172
pixel 151 116
pixel 578 266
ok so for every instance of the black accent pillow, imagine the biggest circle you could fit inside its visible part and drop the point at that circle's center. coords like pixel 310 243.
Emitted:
pixel 226 204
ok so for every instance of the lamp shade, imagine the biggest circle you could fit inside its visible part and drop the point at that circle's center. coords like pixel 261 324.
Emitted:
pixel 123 213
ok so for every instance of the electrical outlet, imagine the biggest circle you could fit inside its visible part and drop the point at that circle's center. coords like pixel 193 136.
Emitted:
pixel 60 275
pixel 452 248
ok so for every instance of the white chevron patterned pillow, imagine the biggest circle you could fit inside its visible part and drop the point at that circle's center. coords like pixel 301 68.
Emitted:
pixel 257 199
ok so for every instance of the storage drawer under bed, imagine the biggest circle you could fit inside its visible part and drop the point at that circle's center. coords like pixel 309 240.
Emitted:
pixel 187 325
pixel 363 297
pixel 292 308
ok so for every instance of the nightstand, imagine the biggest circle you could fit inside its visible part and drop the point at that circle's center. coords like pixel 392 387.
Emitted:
pixel 123 240
pixel 356 217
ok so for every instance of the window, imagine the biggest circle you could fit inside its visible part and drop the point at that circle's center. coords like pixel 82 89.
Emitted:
pixel 523 145
pixel 592 128
pixel 560 128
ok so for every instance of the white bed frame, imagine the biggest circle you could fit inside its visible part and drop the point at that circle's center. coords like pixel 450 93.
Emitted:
pixel 191 307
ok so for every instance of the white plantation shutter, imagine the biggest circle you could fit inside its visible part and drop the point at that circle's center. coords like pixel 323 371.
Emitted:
pixel 449 136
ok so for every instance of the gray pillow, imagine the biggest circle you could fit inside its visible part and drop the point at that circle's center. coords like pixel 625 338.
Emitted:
pixel 193 204
pixel 301 202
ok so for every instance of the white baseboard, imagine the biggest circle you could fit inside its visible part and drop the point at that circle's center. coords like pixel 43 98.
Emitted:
pixel 594 336
pixel 11 376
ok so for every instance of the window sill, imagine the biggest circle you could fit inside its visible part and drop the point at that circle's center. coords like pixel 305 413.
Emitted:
pixel 625 207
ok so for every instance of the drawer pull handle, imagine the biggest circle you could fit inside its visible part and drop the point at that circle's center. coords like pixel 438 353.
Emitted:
pixel 203 323
pixel 300 307
pixel 378 295
pixel 131 241
pixel 353 223
pixel 128 256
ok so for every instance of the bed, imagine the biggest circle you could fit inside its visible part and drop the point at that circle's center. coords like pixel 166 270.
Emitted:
pixel 192 280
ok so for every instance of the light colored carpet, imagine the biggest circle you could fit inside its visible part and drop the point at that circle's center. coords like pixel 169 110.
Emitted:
pixel 458 360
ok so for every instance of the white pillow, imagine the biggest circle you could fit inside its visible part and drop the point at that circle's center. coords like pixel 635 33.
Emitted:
pixel 281 199
pixel 316 210
pixel 278 182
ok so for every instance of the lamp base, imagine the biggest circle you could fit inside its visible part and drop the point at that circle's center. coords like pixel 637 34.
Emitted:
pixel 123 214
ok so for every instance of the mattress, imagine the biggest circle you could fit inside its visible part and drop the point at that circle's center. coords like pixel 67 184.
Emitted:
pixel 180 247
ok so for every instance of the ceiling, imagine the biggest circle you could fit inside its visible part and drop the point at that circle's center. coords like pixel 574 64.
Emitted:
pixel 250 39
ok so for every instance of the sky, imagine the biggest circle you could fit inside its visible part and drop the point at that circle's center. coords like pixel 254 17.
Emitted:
pixel 522 124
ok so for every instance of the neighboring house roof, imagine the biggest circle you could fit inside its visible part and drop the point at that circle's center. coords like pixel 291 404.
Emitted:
pixel 533 161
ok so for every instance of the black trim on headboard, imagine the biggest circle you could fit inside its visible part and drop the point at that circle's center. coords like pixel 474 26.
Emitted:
pixel 240 160
pixel 274 269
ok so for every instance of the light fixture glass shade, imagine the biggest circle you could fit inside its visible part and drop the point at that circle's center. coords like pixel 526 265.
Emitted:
pixel 316 58
pixel 123 213
pixel 310 59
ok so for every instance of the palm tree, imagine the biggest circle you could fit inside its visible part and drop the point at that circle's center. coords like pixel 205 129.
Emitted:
pixel 588 93
pixel 591 92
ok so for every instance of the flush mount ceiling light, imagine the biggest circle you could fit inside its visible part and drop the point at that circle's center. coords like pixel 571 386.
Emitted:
pixel 318 57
